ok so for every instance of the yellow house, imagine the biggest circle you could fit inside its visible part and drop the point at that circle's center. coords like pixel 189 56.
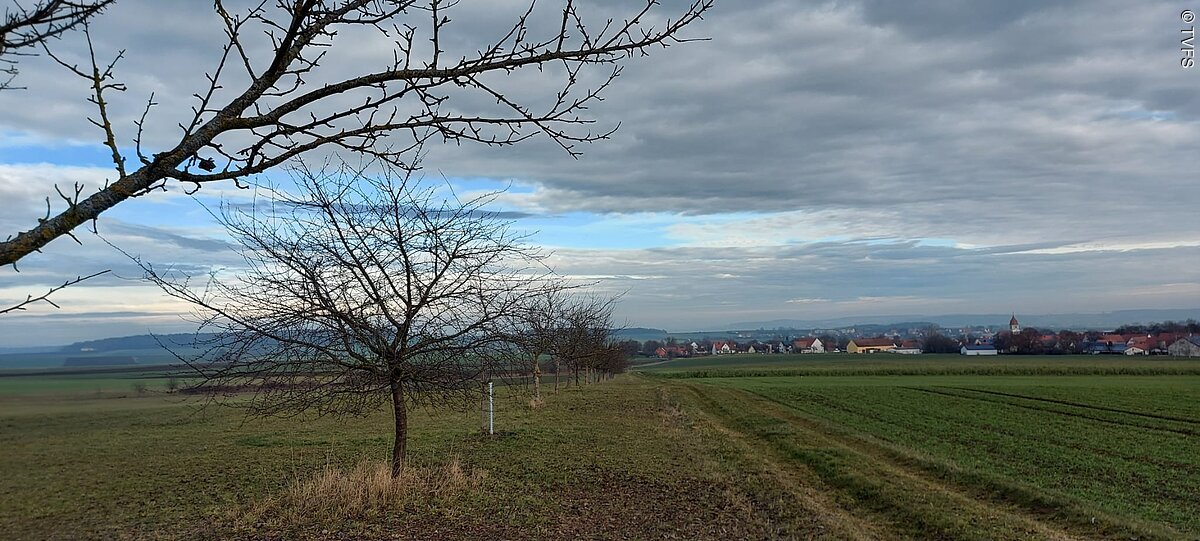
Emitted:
pixel 870 345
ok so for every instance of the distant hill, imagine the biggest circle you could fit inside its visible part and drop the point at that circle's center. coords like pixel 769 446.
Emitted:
pixel 1098 321
pixel 142 349
pixel 141 341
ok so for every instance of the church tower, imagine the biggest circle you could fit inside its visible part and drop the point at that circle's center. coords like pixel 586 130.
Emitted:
pixel 1013 326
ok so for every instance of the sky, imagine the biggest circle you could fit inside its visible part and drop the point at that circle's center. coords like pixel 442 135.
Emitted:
pixel 809 160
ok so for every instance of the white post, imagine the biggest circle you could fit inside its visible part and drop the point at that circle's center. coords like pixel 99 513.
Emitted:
pixel 491 411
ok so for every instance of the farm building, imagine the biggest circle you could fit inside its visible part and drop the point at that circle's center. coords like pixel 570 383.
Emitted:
pixel 1105 347
pixel 1185 347
pixel 978 350
pixel 907 347
pixel 870 345
pixel 808 345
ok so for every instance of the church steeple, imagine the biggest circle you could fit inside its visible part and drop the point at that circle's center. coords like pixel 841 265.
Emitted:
pixel 1013 325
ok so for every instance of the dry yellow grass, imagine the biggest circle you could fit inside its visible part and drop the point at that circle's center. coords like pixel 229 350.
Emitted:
pixel 365 491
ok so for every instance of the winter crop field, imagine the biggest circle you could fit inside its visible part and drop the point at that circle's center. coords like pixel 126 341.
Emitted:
pixel 1008 447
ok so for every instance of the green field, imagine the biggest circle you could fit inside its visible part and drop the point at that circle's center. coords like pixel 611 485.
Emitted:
pixel 950 447
pixel 828 447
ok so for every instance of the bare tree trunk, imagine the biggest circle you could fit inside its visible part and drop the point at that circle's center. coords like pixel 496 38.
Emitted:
pixel 537 380
pixel 577 375
pixel 556 375
pixel 401 416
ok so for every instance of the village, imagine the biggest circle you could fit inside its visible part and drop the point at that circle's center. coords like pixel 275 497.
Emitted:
pixel 1181 340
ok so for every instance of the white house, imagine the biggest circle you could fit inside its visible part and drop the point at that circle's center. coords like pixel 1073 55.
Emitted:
pixel 808 345
pixel 1185 347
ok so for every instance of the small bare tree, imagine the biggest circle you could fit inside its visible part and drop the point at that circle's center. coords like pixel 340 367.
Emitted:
pixel 535 333
pixel 360 291
pixel 25 28
pixel 585 333
pixel 268 100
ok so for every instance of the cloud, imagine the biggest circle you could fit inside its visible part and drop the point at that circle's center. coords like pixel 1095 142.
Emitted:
pixel 821 158
pixel 827 280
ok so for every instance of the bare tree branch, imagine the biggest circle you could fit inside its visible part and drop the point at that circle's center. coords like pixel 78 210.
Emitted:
pixel 276 116
pixel 45 297
pixel 24 28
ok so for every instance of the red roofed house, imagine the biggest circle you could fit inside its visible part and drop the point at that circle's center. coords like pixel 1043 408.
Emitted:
pixel 671 352
pixel 808 345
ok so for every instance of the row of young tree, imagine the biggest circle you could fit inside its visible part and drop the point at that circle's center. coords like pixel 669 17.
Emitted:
pixel 357 291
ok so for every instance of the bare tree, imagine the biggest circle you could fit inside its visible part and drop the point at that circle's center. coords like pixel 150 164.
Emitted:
pixel 262 107
pixel 25 28
pixel 535 333
pixel 358 292
pixel 584 335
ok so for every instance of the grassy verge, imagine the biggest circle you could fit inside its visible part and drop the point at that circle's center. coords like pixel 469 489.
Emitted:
pixel 615 460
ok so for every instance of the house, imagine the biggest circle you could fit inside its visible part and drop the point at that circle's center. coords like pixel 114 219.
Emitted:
pixel 977 350
pixel 907 347
pixel 1153 344
pixel 1135 350
pixel 671 352
pixel 723 348
pixel 808 345
pixel 870 345
pixel 1185 347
